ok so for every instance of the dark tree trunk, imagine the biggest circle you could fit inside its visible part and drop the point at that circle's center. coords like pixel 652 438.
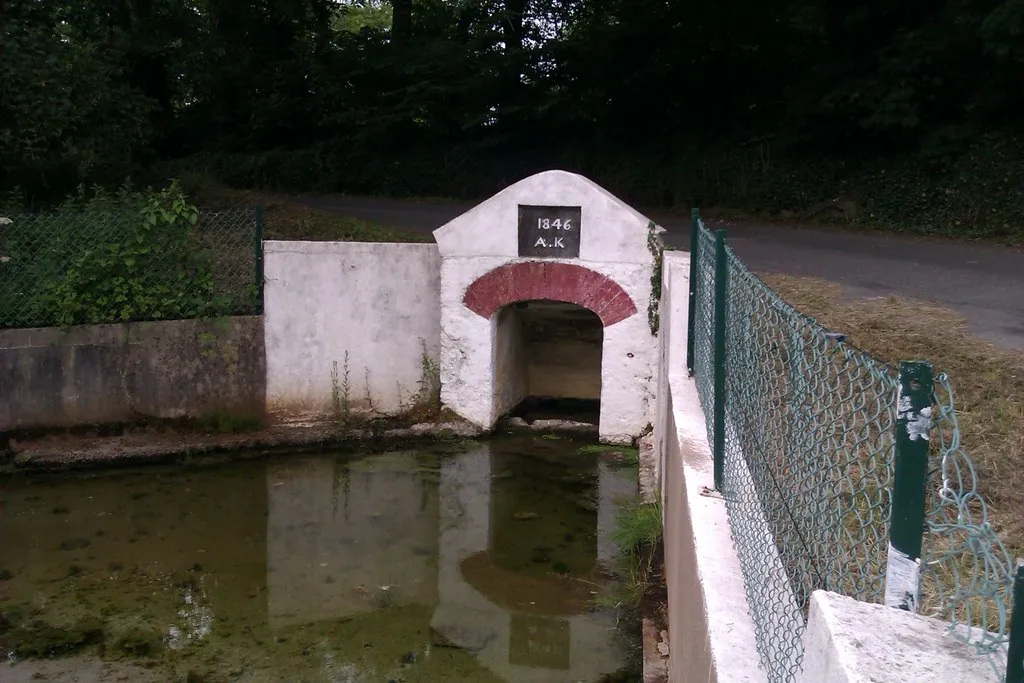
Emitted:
pixel 146 68
pixel 401 21
pixel 513 25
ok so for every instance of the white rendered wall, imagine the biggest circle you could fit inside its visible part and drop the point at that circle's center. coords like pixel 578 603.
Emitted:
pixel 614 243
pixel 468 360
pixel 509 360
pixel 612 230
pixel 379 303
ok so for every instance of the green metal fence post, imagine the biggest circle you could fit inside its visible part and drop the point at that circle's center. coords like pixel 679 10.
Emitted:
pixel 910 474
pixel 257 245
pixel 721 296
pixel 1015 656
pixel 691 316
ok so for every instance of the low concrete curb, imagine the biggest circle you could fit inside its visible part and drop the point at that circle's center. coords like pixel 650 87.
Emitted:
pixel 57 453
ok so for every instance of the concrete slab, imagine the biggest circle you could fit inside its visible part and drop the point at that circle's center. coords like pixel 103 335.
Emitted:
pixel 848 641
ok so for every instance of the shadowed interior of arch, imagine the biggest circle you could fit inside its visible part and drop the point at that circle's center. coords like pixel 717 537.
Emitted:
pixel 547 360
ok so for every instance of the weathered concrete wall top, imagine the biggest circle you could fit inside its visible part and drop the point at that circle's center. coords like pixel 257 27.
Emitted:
pixel 92 374
pixel 848 641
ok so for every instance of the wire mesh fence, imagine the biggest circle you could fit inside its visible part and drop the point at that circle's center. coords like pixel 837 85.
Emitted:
pixel 808 457
pixel 704 325
pixel 967 572
pixel 91 267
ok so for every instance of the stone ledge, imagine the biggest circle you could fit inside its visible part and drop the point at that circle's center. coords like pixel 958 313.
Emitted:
pixel 330 247
pixel 848 641
pixel 62 452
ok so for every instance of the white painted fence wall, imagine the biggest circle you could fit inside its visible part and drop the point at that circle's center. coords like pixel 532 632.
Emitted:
pixel 710 630
pixel 377 303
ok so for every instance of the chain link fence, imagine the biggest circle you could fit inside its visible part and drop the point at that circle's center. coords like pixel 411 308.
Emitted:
pixel 72 268
pixel 967 573
pixel 807 462
pixel 703 324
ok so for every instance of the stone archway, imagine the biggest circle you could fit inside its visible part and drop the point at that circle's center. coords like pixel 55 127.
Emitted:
pixel 553 281
pixel 543 349
pixel 554 236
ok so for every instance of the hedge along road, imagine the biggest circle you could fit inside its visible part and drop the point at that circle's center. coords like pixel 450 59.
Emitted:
pixel 983 283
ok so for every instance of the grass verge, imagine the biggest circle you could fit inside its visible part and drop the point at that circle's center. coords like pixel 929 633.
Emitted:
pixel 988 383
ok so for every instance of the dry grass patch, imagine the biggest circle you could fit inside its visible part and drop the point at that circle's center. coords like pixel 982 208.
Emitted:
pixel 988 383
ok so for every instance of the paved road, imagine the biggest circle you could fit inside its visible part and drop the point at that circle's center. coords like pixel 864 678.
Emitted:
pixel 985 284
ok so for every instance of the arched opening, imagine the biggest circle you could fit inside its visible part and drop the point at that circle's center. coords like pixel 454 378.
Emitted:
pixel 538 280
pixel 547 360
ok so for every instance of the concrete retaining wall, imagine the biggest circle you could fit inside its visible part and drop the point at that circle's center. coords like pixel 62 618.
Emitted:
pixel 710 630
pixel 376 305
pixel 93 374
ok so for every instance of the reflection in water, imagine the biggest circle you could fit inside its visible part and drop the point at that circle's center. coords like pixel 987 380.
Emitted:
pixel 473 564
pixel 540 642
pixel 517 591
pixel 337 550
pixel 544 515
pixel 196 618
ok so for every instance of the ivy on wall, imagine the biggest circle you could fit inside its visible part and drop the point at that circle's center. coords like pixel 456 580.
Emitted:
pixel 657 249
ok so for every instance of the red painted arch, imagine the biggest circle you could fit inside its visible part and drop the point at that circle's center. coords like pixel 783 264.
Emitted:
pixel 550 280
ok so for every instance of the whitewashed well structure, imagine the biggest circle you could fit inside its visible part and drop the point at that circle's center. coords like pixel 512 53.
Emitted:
pixel 552 237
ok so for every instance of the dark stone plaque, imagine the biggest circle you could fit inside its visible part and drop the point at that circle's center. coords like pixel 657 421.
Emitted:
pixel 549 231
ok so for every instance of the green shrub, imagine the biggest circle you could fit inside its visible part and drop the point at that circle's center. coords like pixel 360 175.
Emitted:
pixel 107 257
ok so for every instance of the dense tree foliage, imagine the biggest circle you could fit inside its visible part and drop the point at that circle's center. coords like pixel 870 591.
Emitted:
pixel 773 106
